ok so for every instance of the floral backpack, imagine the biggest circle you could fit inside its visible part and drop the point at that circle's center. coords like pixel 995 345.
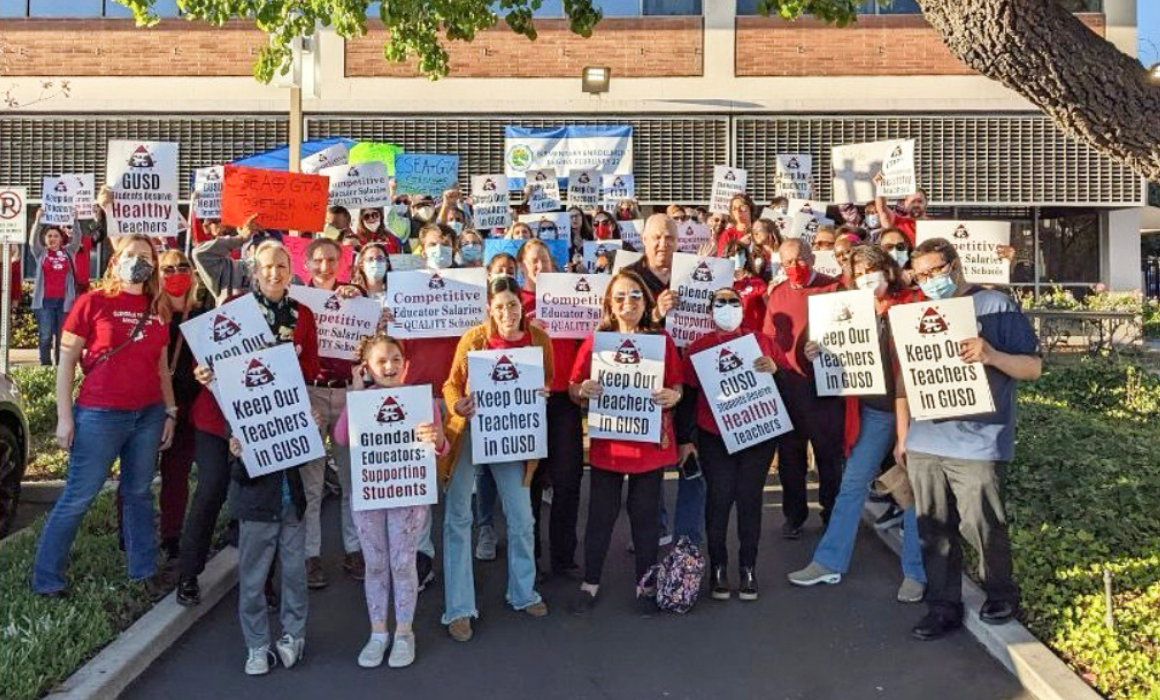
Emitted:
pixel 678 577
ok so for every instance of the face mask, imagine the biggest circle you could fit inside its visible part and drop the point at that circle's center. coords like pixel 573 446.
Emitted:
pixel 798 275
pixel 457 227
pixel 739 262
pixel 941 287
pixel 784 211
pixel 133 269
pixel 548 233
pixel 872 220
pixel 439 256
pixel 604 230
pixel 375 270
pixel 178 284
pixel 425 213
pixel 727 318
pixel 875 281
pixel 472 252
pixel 401 209
pixel 900 256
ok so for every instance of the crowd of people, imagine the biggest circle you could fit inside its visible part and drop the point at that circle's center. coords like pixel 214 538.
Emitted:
pixel 144 399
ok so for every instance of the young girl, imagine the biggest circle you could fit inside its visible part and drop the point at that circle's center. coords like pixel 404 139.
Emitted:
pixel 389 536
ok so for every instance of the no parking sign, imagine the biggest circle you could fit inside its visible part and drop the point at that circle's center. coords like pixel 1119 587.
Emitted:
pixel 13 219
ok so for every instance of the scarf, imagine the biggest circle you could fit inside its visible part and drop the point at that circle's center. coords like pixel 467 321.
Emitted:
pixel 281 316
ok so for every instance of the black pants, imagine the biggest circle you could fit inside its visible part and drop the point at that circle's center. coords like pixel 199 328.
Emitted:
pixel 733 478
pixel 822 423
pixel 644 493
pixel 563 469
pixel 211 454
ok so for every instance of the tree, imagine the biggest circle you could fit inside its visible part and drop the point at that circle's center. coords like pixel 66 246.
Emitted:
pixel 1038 48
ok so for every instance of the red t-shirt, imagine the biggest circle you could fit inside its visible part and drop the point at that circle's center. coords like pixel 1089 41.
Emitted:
pixel 906 225
pixel 705 419
pixel 429 362
pixel 129 380
pixel 634 457
pixel 55 270
pixel 787 319
pixel 727 236
pixel 752 292
pixel 563 349
pixel 82 265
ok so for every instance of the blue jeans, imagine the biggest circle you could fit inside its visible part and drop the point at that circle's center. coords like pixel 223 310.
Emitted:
pixel 485 494
pixel 100 435
pixel 837 546
pixel 458 574
pixel 689 519
pixel 49 321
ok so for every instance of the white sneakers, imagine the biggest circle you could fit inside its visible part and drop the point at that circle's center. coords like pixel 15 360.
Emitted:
pixel 258 661
pixel 372 654
pixel 289 650
pixel 403 651
pixel 814 574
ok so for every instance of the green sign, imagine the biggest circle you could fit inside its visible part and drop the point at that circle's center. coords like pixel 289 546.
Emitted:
pixel 373 151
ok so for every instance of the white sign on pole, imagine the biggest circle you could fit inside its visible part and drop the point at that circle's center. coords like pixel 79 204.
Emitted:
pixel 845 327
pixel 13 217
pixel 977 243
pixel 793 175
pixel 629 368
pixel 390 467
pixel 863 170
pixel 544 194
pixel 341 323
pixel 630 230
pixel 511 415
pixel 625 258
pixel 142 176
pixel 691 235
pixel 327 157
pixel 615 188
pixel 694 279
pixel 826 263
pixel 264 399
pixel 568 305
pixel 805 226
pixel 593 250
pixel 584 189
pixel 358 186
pixel 746 405
pixel 550 225
pixel 66 198
pixel 491 202
pixel 430 304
pixel 233 329
pixel 207 192
pixel 726 183
pixel 939 384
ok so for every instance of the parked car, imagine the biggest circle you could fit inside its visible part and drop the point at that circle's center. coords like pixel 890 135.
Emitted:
pixel 13 451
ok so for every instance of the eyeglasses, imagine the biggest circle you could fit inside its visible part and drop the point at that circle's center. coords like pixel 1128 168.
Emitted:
pixel 371 216
pixel 722 302
pixel 888 247
pixel 933 272
pixel 633 296
pixel 680 219
pixel 171 269
pixel 823 245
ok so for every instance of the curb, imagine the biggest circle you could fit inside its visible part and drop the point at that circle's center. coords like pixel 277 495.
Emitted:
pixel 1038 669
pixel 117 665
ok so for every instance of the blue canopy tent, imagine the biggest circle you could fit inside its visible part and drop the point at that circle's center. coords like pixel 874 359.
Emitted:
pixel 279 158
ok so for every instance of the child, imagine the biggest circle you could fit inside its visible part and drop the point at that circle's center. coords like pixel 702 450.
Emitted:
pixel 389 536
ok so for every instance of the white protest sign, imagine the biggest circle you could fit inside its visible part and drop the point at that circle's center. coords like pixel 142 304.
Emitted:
pixel 207 192
pixel 939 384
pixel 341 323
pixel 691 235
pixel 805 226
pixel 142 176
pixel 977 243
pixel 233 329
pixel 327 157
pixel 65 198
pixel 593 250
pixel 430 304
pixel 358 186
pixel 401 262
pixel 584 189
pixel 793 175
pixel 726 183
pixel 491 199
pixel 264 399
pixel 630 230
pixel 694 280
pixel 845 327
pixel 550 225
pixel 389 466
pixel 746 404
pixel 615 188
pixel 511 415
pixel 806 206
pixel 863 170
pixel 625 258
pixel 827 263
pixel 544 190
pixel 13 216
pixel 629 368
pixel 568 305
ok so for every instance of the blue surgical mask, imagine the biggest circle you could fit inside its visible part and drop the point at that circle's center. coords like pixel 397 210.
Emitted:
pixel 375 270
pixel 457 226
pixel 941 287
pixel 472 252
pixel 739 262
pixel 872 221
pixel 901 256
pixel 439 256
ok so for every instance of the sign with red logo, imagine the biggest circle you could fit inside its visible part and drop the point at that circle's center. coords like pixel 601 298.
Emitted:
pixel 746 404
pixel 629 368
pixel 511 419
pixel 390 467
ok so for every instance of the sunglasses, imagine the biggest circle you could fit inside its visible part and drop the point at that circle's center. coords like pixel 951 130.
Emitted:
pixel 621 297
pixel 171 269
pixel 371 216
pixel 823 245
pixel 504 284
pixel 894 246
pixel 722 302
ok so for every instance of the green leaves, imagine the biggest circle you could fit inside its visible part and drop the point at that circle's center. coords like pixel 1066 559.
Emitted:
pixel 839 12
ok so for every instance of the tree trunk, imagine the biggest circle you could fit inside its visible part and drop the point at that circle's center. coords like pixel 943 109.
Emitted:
pixel 1086 85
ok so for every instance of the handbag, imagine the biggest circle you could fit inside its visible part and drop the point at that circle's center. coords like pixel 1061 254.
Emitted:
pixel 136 329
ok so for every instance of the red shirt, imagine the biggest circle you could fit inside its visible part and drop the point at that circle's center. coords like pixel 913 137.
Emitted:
pixel 725 238
pixel 55 270
pixel 906 225
pixel 82 266
pixel 705 419
pixel 128 380
pixel 787 319
pixel 634 457
pixel 429 362
pixel 563 349
pixel 752 292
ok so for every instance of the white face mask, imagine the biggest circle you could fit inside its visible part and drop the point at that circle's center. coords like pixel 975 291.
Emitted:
pixel 401 209
pixel 872 220
pixel 874 281
pixel 727 318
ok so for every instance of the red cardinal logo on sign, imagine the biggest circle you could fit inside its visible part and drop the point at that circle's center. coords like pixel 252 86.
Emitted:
pixel 540 176
pixel 806 209
pixel 962 232
pixel 257 374
pixel 729 176
pixel 728 361
pixel 627 354
pixel 842 313
pixel 224 328
pixel 617 183
pixel 582 285
pixel 812 226
pixel 353 172
pixel 333 303
pixel 583 179
pixel 702 273
pixel 504 370
pixel 60 186
pixel 141 158
pixel 212 176
pixel 932 322
pixel 489 185
pixel 897 152
pixel 390 411
pixel 436 282
pixel 793 164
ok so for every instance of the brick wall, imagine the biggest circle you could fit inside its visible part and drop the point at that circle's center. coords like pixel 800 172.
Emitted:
pixel 632 47
pixel 875 45
pixel 117 47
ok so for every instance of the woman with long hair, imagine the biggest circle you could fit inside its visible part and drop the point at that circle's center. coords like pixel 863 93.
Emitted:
pixel 54 286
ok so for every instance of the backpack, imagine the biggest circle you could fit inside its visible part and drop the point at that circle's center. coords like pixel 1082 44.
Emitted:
pixel 678 577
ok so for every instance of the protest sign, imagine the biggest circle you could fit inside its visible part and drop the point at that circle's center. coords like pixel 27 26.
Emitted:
pixel 401 262
pixel 326 158
pixel 511 415
pixel 264 399
pixel 207 192
pixel 939 384
pixel 629 368
pixel 630 230
pixel 584 187
pixel 594 250
pixel 624 258
pixel 494 246
pixel 436 304
pixel 826 263
pixel 563 149
pixel 283 201
pixel 66 198
pixel 233 329
pixel 390 467
pixel 569 306
pixel 375 152
pixel 358 186
pixel 297 245
pixel 845 327
pixel 694 280
pixel 341 323
pixel 550 225
pixel 977 243
pixel 793 175
pixel 863 170
pixel 142 177
pixel 491 202
pixel 805 226
pixel 615 188
pixel 806 206
pixel 726 183
pixel 425 173
pixel 746 405
pixel 544 191
pixel 691 235
pixel 13 216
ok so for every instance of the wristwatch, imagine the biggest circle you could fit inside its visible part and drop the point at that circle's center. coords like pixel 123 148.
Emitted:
pixel 171 411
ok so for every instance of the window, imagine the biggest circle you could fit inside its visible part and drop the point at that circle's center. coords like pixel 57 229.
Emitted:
pixel 624 8
pixel 672 7
pixel 80 8
pixel 66 8
pixel 161 8
pixel 1069 246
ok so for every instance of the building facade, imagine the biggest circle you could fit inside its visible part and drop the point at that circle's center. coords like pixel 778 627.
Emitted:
pixel 702 83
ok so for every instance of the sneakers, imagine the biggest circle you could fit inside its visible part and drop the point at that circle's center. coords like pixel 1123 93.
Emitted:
pixel 372 654
pixel 315 576
pixel 485 548
pixel 258 661
pixel 747 589
pixel 289 650
pixel 791 532
pixel 911 591
pixel 403 651
pixel 354 566
pixel 719 584
pixel 426 570
pixel 583 603
pixel 889 519
pixel 539 609
pixel 460 629
pixel 188 592
pixel 814 574
pixel 666 539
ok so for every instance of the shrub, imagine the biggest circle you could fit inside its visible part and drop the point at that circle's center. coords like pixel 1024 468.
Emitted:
pixel 38 389
pixel 24 333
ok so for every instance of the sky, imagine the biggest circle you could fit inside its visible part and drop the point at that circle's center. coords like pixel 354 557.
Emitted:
pixel 1148 22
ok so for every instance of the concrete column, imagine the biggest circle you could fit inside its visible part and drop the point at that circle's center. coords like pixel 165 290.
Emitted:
pixel 720 39
pixel 1120 249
